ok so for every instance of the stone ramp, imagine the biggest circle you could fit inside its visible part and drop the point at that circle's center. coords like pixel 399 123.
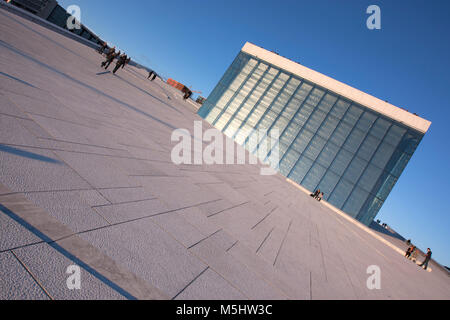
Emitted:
pixel 86 179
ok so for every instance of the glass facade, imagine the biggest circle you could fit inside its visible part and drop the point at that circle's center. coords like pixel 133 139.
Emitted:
pixel 350 152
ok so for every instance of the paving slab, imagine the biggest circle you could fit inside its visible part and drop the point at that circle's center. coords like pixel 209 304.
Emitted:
pixel 15 282
pixel 210 286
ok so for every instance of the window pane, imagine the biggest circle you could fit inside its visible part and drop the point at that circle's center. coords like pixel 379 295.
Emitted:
pixel 379 128
pixel 288 162
pixel 328 154
pixel 366 121
pixel 369 177
pixel 394 135
pixel 302 141
pixel 354 140
pixel 313 177
pixel 368 147
pixel 340 108
pixel 397 163
pixel 410 142
pixel 385 185
pixel 315 120
pixel 328 126
pixel 301 169
pixel 341 162
pixel 341 193
pixel 355 169
pixel 303 114
pixel 327 102
pixel 315 147
pixel 328 183
pixel 355 202
pixel 353 115
pixel 290 134
pixel 341 133
pixel 369 210
pixel 383 154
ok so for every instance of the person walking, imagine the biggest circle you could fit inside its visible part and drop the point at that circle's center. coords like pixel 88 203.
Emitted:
pixel 413 253
pixel 102 47
pixel 424 264
pixel 120 62
pixel 110 58
pixel 127 61
pixel 187 93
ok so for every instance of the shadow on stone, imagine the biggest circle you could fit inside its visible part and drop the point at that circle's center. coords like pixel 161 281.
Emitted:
pixel 65 253
pixel 17 79
pixel 27 154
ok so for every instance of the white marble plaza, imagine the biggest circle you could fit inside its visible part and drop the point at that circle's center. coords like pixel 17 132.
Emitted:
pixel 86 179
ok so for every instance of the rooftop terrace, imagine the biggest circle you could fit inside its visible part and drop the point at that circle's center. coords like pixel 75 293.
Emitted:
pixel 86 179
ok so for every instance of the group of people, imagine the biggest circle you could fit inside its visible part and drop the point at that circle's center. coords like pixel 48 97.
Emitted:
pixel 318 195
pixel 411 253
pixel 122 59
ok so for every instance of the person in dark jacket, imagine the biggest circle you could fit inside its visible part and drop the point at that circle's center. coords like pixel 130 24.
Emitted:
pixel 315 194
pixel 126 62
pixel 320 197
pixel 110 58
pixel 152 75
pixel 187 93
pixel 408 252
pixel 427 259
pixel 102 47
pixel 120 62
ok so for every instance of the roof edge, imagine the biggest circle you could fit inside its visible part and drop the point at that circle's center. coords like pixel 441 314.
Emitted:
pixel 340 88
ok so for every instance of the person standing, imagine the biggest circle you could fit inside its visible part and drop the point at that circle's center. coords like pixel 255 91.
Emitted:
pixel 427 259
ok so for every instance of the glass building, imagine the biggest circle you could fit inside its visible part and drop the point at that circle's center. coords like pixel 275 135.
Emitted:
pixel 350 145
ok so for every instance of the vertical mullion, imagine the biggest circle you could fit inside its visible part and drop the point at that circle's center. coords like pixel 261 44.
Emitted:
pixel 281 112
pixel 346 168
pixel 236 93
pixel 317 133
pixel 340 121
pixel 293 117
pixel 246 99
pixel 275 78
pixel 304 128
pixel 220 82
pixel 279 115
pixel 265 112
pixel 368 163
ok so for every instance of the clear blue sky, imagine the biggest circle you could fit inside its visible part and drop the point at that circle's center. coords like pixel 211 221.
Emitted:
pixel 407 62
